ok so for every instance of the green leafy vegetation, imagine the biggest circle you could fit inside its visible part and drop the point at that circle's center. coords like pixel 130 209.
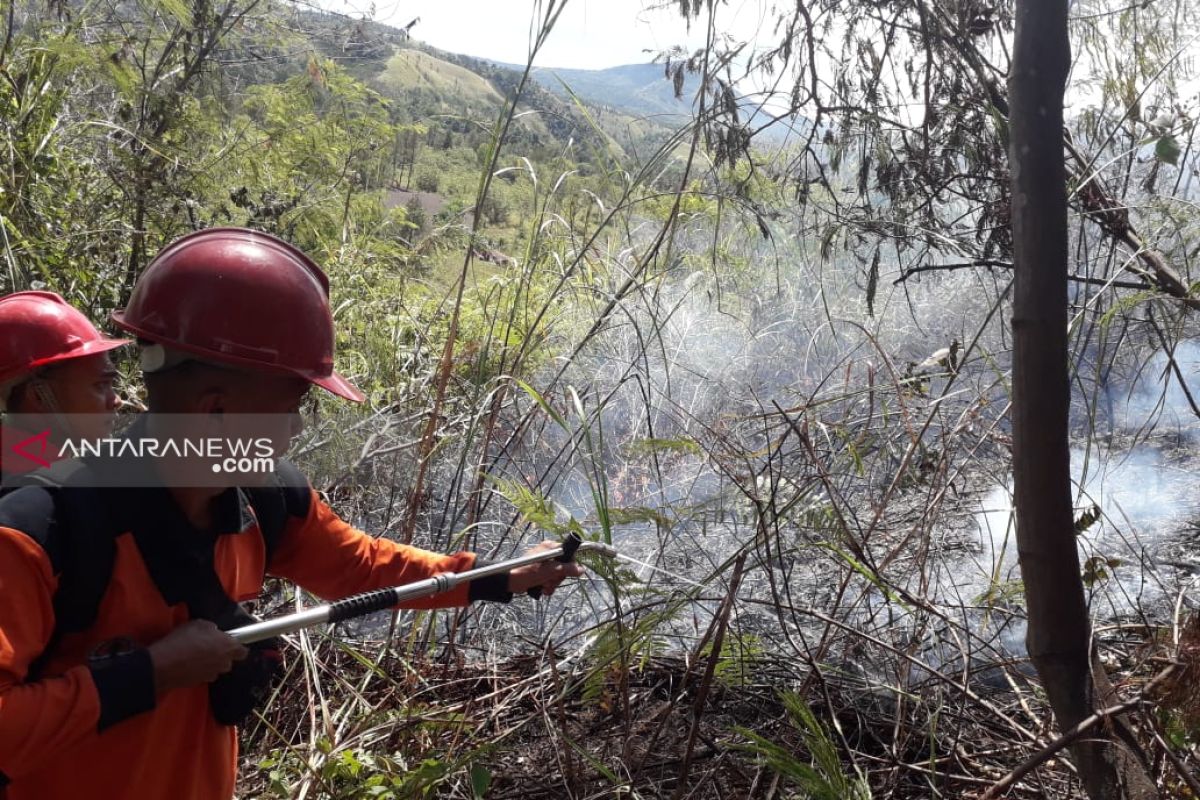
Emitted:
pixel 772 368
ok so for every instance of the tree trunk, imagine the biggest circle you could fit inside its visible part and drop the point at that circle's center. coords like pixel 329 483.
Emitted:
pixel 1059 637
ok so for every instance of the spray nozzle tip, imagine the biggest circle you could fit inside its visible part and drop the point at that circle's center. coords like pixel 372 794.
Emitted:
pixel 599 548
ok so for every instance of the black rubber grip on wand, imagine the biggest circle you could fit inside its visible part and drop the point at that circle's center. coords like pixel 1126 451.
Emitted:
pixel 360 604
pixel 380 600
pixel 569 546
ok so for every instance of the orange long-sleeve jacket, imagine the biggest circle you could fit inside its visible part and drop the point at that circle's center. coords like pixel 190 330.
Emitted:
pixel 75 730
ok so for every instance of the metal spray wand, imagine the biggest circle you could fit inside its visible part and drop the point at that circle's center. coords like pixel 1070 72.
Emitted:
pixel 381 599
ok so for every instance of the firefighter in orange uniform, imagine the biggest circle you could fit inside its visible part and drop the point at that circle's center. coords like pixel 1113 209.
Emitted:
pixel 116 678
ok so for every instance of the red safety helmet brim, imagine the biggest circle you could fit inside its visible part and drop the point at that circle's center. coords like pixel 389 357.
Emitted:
pixel 86 349
pixel 338 385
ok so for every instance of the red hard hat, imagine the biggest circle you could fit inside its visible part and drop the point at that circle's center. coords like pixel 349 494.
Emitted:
pixel 40 328
pixel 242 298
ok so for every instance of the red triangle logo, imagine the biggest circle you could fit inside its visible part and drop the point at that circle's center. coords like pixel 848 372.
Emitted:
pixel 42 440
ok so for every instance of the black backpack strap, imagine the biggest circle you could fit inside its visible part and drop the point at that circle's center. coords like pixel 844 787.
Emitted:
pixel 234 695
pixel 286 495
pixel 79 537
pixel 89 556
pixel 270 509
pixel 86 542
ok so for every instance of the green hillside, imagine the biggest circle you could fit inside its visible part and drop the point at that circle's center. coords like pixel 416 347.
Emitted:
pixel 456 87
pixel 423 82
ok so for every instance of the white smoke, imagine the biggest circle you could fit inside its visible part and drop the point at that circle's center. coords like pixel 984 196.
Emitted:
pixel 1158 402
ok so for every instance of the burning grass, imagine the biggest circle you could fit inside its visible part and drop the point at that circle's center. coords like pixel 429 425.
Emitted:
pixel 852 658
pixel 576 725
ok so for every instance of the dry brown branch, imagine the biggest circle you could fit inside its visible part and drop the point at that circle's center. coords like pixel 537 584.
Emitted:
pixel 1075 732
